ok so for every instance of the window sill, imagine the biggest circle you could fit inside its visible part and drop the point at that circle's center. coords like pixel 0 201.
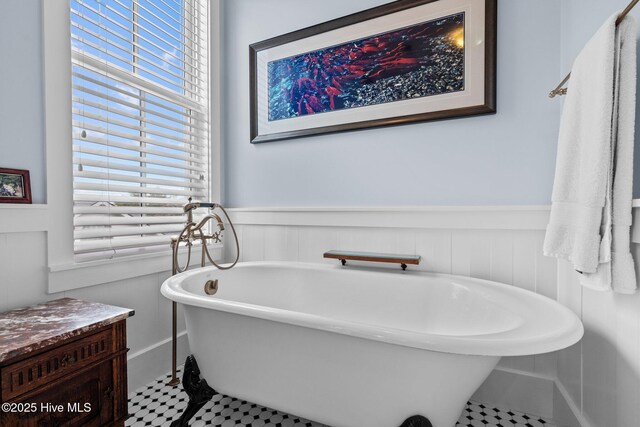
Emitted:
pixel 71 276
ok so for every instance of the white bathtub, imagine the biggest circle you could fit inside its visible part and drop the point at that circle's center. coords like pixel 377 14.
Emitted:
pixel 352 347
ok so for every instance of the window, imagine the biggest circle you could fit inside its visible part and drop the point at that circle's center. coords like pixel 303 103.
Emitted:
pixel 140 103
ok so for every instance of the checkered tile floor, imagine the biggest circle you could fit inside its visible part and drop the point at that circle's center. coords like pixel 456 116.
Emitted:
pixel 157 404
pixel 479 415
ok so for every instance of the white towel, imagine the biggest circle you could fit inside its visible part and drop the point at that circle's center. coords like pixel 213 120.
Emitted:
pixel 591 203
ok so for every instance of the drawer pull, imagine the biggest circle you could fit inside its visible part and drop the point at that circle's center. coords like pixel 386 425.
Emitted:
pixel 67 359
pixel 108 392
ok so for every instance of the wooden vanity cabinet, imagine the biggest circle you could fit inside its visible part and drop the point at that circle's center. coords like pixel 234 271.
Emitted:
pixel 79 379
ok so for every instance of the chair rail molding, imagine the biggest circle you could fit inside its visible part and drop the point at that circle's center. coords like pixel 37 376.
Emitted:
pixel 432 217
pixel 23 218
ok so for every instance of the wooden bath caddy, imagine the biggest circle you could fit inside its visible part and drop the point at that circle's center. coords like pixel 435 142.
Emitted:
pixel 403 260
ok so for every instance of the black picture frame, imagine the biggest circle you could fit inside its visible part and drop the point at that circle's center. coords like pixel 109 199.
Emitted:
pixel 485 105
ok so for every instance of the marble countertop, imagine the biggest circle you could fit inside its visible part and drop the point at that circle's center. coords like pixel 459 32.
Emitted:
pixel 29 329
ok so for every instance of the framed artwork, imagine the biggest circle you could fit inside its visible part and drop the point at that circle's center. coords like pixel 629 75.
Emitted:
pixel 15 186
pixel 403 62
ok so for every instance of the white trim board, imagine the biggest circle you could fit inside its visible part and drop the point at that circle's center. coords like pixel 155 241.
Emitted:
pixel 442 217
pixel 519 391
pixel 534 394
pixel 66 277
pixel 18 218
pixel 15 218
pixel 429 217
pixel 565 411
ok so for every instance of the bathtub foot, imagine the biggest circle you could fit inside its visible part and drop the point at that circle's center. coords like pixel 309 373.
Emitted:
pixel 197 389
pixel 417 421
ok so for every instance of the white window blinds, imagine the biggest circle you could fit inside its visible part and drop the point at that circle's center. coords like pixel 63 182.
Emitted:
pixel 140 121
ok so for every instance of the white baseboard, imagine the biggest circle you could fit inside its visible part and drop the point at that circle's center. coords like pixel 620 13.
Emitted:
pixel 566 412
pixel 147 364
pixel 534 394
pixel 517 390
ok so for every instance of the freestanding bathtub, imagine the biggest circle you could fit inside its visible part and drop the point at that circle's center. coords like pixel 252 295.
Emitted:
pixel 354 347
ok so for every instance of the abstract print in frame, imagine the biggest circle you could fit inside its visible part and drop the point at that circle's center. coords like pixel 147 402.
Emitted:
pixel 407 61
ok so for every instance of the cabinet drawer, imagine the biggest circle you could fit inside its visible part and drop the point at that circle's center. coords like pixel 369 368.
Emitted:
pixel 84 400
pixel 27 375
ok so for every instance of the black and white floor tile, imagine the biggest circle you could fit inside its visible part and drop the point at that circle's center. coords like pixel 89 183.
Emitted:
pixel 479 415
pixel 157 404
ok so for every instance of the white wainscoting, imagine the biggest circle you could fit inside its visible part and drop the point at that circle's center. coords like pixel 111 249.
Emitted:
pixel 593 383
pixel 497 243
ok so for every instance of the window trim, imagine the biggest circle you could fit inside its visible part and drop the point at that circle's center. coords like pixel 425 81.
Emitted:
pixel 64 273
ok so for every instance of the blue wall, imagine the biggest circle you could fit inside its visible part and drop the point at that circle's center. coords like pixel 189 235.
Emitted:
pixel 504 159
pixel 507 159
pixel 21 98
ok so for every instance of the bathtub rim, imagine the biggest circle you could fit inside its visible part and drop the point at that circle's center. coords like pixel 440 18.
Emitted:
pixel 503 343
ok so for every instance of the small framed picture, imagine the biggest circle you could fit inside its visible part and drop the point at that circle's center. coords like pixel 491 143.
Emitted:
pixel 15 186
